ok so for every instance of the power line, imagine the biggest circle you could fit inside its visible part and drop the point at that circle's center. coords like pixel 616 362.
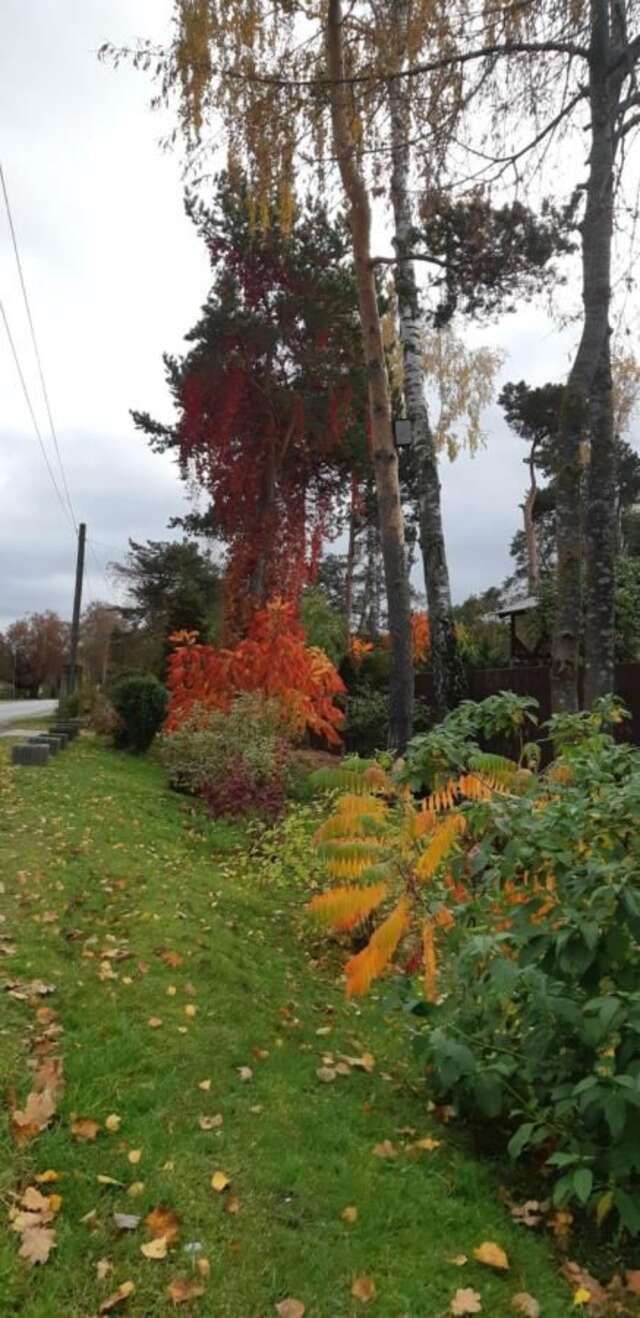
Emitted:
pixel 34 419
pixel 36 349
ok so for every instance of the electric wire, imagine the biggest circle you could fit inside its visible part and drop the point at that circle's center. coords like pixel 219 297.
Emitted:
pixel 36 349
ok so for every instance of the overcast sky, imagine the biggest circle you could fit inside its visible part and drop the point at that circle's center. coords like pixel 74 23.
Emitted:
pixel 116 276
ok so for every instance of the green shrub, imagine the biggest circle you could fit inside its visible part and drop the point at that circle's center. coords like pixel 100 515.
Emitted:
pixel 141 705
pixel 69 706
pixel 450 747
pixel 212 747
pixel 547 1044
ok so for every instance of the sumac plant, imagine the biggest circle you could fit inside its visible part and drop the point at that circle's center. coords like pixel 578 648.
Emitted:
pixel 516 903
pixel 273 660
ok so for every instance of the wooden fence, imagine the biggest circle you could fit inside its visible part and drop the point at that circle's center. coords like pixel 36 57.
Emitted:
pixel 536 682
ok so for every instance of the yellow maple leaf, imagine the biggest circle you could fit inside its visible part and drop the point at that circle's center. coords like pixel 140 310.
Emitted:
pixel 219 1182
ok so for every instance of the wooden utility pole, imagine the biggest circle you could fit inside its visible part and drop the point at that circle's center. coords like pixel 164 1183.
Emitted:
pixel 77 604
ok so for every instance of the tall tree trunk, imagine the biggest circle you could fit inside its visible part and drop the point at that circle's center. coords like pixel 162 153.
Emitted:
pixel 597 230
pixel 601 539
pixel 531 539
pixel 385 458
pixel 351 558
pixel 446 664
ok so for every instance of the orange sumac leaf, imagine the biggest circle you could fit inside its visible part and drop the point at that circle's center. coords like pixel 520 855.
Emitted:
pixel 362 969
pixel 439 846
pixel 343 908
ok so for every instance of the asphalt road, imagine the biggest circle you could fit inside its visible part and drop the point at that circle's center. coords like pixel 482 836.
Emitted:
pixel 13 710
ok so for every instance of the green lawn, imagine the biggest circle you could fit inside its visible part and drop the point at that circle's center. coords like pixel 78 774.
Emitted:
pixel 97 855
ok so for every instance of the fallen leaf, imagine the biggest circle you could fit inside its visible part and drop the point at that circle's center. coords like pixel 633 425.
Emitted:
pixel 210 1123
pixel 427 1143
pixel 190 1010
pixel 560 1223
pixel 459 1260
pixel 37 1243
pixel 107 1180
pixel 343 1068
pixel 103 1268
pixel 48 1177
pixel 172 959
pixel 144 967
pixel 155 1022
pixel 525 1304
pixel 365 1063
pixel 290 1309
pixel 530 1213
pixel 205 1086
pixel 491 1255
pixel 34 1201
pixel 632 1279
pixel 582 1283
pixel 134 1156
pixel 244 1072
pixel 123 1292
pixel 163 1222
pixel 85 1128
pixel 465 1301
pixel 232 1205
pixel 385 1150
pixel 364 1288
pixel 126 1221
pixel 113 1123
pixel 136 1188
pixel 204 1267
pixel 582 1296
pixel 38 1110
pixel 183 1289
pixel 171 991
pixel 349 1214
pixel 155 1249
pixel 326 1074
pixel 219 1182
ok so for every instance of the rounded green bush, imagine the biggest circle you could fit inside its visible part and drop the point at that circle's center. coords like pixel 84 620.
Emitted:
pixel 141 706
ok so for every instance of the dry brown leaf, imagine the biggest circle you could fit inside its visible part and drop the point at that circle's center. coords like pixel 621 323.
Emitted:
pixel 244 1072
pixel 205 1086
pixel 34 1201
pixel 37 1243
pixel 38 1110
pixel 385 1149
pixel 459 1260
pixel 126 1221
pixel 163 1222
pixel 210 1123
pixel 232 1205
pixel 632 1280
pixel 561 1223
pixel 183 1289
pixel 155 1022
pixel 365 1063
pixel 134 1156
pixel 172 959
pixel 465 1301
pixel 525 1304
pixel 113 1123
pixel 49 1075
pixel 491 1255
pixel 85 1128
pixel 364 1288
pixel 427 1143
pixel 349 1214
pixel 530 1213
pixel 144 967
pixel 290 1309
pixel 155 1249
pixel 326 1074
pixel 123 1292
pixel 343 1068
pixel 103 1268
pixel 219 1182
pixel 581 1280
pixel 203 1265
pixel 190 1010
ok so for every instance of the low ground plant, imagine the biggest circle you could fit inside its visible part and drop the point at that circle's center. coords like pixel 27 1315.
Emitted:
pixel 235 760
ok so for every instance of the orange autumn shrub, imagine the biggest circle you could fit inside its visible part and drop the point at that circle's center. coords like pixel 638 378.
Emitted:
pixel 274 660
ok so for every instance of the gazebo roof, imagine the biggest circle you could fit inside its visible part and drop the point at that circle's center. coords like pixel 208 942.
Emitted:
pixel 523 604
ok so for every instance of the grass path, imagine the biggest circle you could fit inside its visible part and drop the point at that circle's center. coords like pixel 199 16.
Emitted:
pixel 96 856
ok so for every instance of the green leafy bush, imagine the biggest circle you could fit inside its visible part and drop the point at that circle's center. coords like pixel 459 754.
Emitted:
pixel 450 747
pixel 234 760
pixel 141 705
pixel 548 933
